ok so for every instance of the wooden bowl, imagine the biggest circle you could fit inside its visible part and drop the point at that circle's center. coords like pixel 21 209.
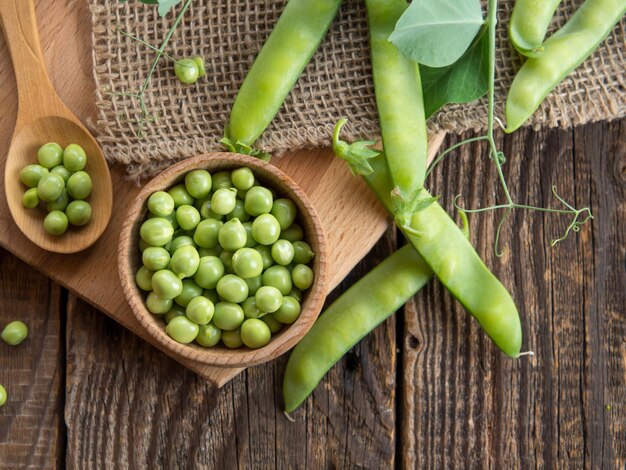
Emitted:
pixel 129 261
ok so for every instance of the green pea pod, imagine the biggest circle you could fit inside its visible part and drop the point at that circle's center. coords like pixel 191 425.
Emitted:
pixel 562 52
pixel 457 265
pixel 353 315
pixel 529 22
pixel 288 49
pixel 399 100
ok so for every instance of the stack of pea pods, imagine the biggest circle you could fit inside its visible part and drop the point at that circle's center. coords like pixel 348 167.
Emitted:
pixel 437 245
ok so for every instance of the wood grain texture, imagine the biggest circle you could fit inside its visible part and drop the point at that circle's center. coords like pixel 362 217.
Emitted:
pixel 464 403
pixel 352 217
pixel 32 433
pixel 128 407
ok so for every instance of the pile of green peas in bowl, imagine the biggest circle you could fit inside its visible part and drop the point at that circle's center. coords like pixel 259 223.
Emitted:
pixel 224 259
pixel 60 184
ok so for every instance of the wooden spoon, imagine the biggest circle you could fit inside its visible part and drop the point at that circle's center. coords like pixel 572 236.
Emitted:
pixel 42 117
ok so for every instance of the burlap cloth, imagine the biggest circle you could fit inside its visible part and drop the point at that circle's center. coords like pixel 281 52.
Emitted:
pixel 337 83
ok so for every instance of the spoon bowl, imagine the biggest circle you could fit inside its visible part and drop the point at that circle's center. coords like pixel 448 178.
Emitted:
pixel 23 151
pixel 41 118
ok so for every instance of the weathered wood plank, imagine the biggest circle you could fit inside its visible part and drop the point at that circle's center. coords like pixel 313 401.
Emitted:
pixel 130 406
pixel 464 403
pixel 32 433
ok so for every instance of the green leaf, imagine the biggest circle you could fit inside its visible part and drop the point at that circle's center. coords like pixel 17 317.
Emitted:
pixel 437 32
pixel 150 2
pixel 464 81
pixel 166 5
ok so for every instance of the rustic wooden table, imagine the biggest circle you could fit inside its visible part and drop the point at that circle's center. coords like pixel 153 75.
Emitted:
pixel 426 389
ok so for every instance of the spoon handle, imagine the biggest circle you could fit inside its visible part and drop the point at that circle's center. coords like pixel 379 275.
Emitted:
pixel 19 24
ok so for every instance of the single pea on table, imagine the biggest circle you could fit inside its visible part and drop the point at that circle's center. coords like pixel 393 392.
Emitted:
pixel 223 260
pixel 60 181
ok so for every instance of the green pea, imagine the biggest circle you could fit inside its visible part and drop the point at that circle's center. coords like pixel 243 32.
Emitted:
pixel 185 261
pixel 157 231
pixel 191 290
pixel 302 252
pixel 258 201
pixel 206 234
pixel 210 271
pixel 247 263
pixel 282 252
pixel 166 284
pixel 221 180
pixel 250 241
pixel 161 204
pixel 255 333
pixel 228 316
pixel 143 278
pixel 232 235
pixel 232 288
pixel 187 217
pixel 223 201
pixel 266 254
pixel 187 71
pixel 200 310
pixel 175 311
pixel 74 158
pixel 208 335
pixel 31 174
pixel 268 299
pixel 242 178
pixel 250 310
pixel 79 185
pixel 50 155
pixel 158 305
pixel 265 229
pixel 182 330
pixel 302 276
pixel 171 218
pixel 30 199
pixel 50 187
pixel 3 395
pixel 55 223
pixel 232 339
pixel 296 294
pixel 293 234
pixel 278 277
pixel 155 258
pixel 254 283
pixel 215 251
pixel 206 211
pixel 62 172
pixel 274 325
pixel 226 257
pixel 285 212
pixel 289 310
pixel 211 294
pixel 180 195
pixel 179 242
pixel 239 212
pixel 198 183
pixel 14 333
pixel 200 63
pixel 78 213
pixel 59 204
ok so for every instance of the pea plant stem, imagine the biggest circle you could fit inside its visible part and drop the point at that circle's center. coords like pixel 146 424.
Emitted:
pixel 160 52
pixel 498 157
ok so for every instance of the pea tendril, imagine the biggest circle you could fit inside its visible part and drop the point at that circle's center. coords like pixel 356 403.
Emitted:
pixel 146 116
pixel 579 216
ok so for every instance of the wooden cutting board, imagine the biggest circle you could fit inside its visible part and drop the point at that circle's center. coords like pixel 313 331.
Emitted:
pixel 352 217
